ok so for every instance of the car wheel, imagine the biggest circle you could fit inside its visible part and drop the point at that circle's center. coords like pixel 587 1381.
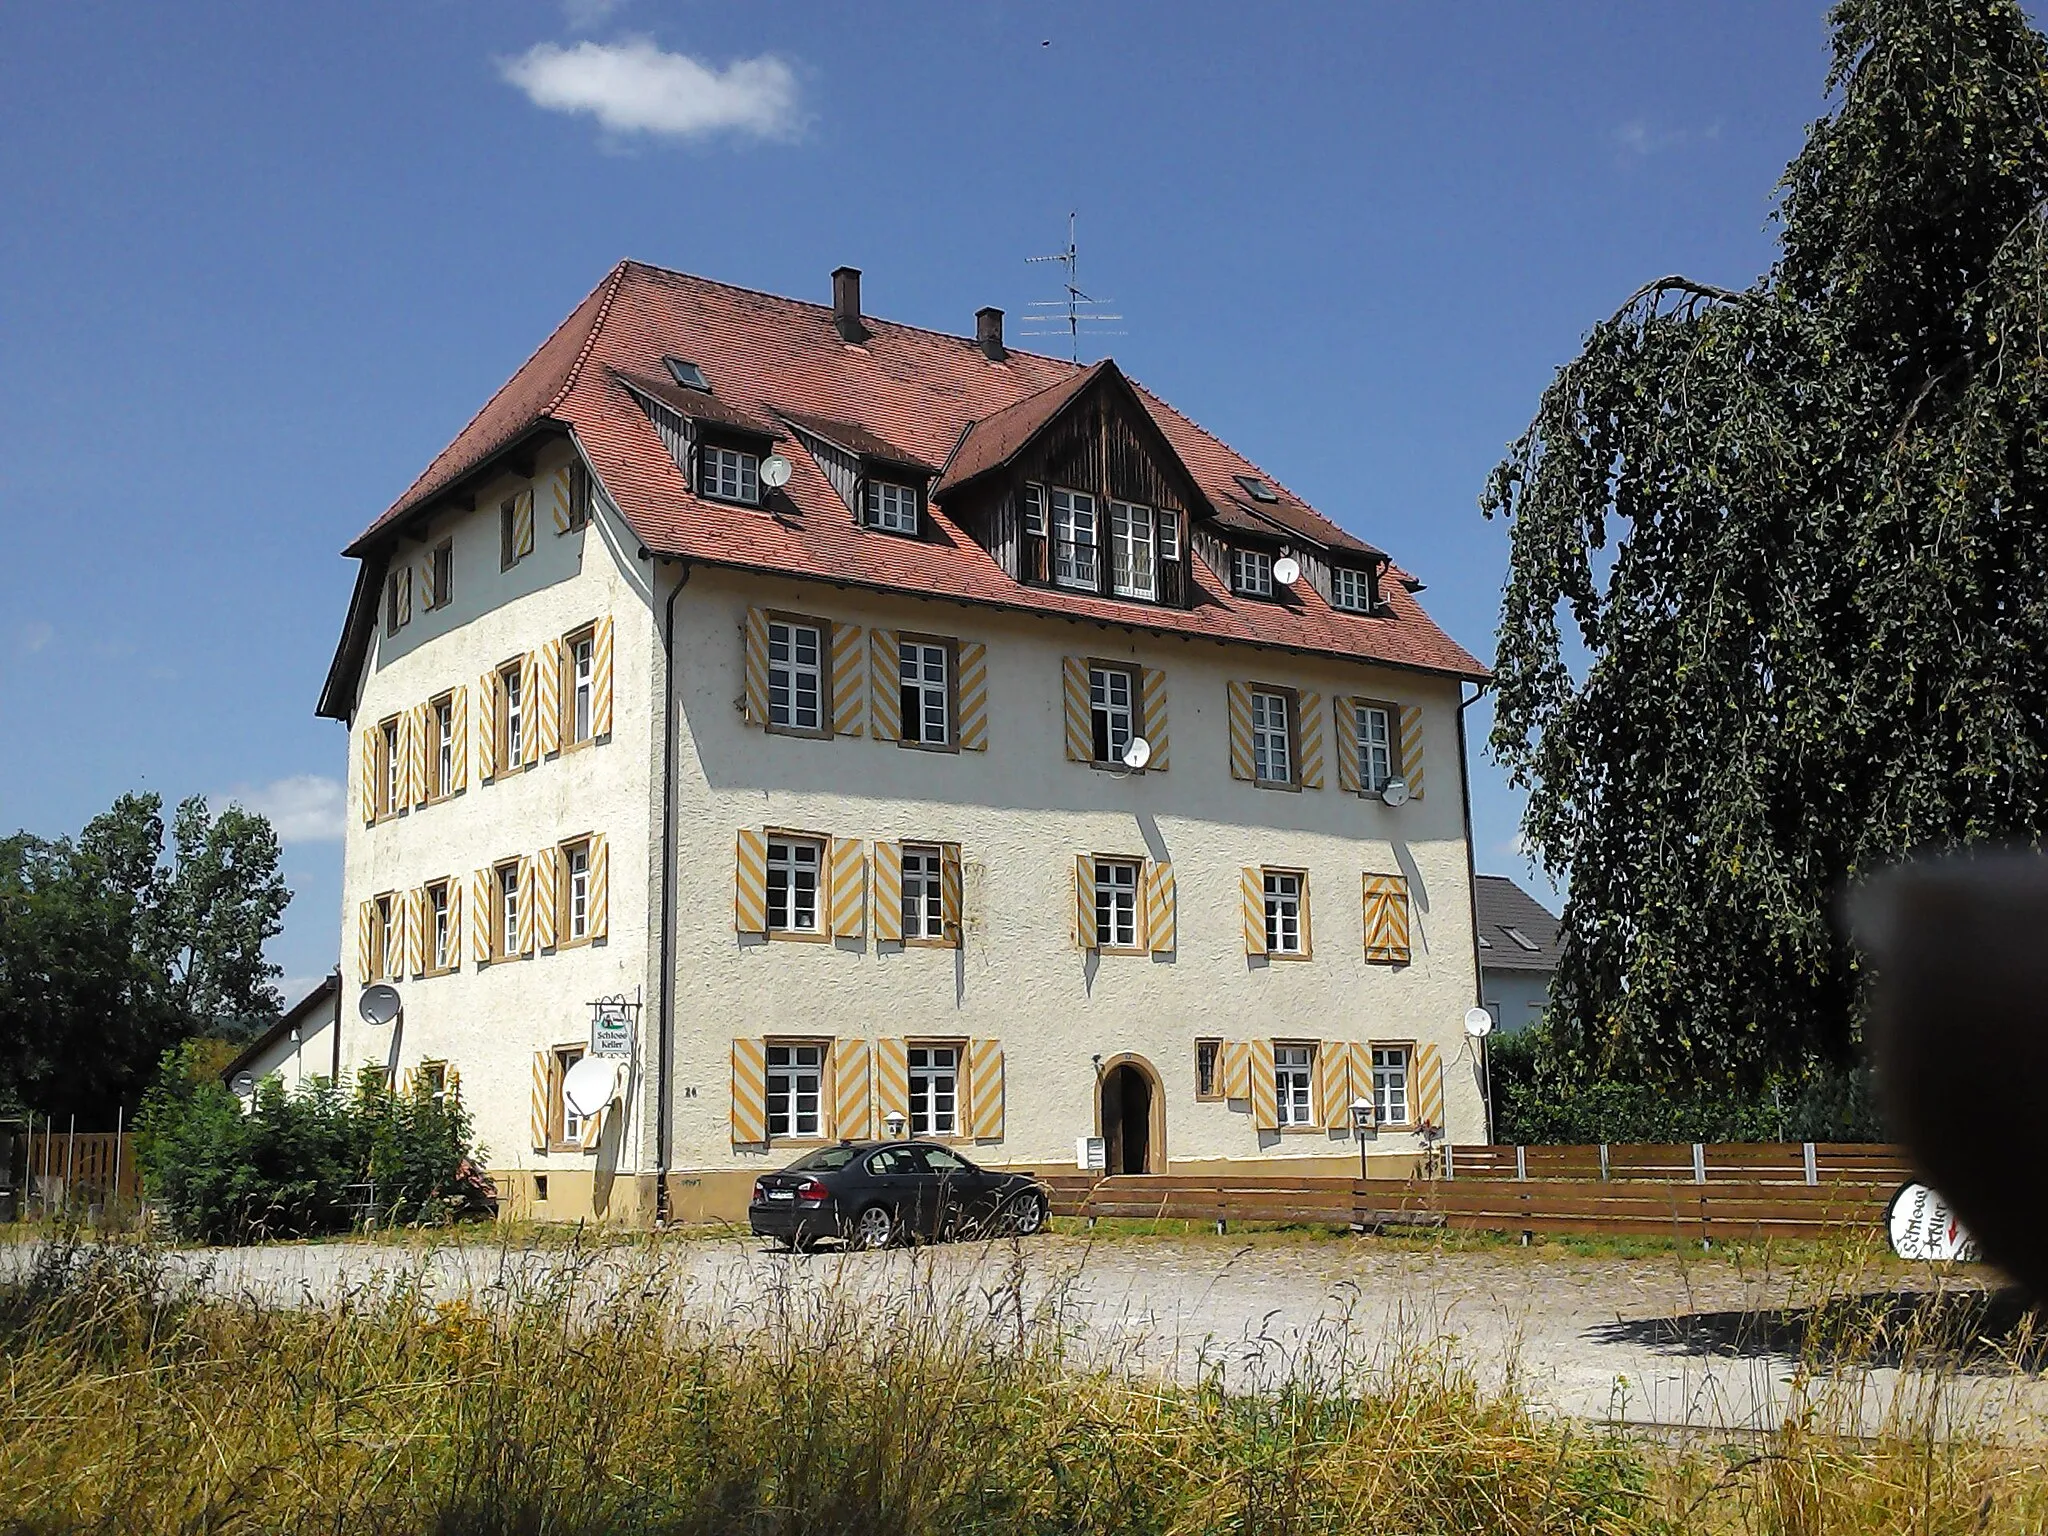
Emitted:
pixel 874 1227
pixel 1024 1215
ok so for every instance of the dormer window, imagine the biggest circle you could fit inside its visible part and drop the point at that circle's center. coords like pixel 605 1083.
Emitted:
pixel 729 474
pixel 892 507
pixel 689 375
pixel 1256 488
pixel 1132 572
pixel 1251 573
pixel 1350 589
pixel 1073 537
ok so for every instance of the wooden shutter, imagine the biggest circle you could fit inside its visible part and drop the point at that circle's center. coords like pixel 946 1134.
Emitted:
pixel 458 740
pixel 754 666
pixel 522 524
pixel 1411 749
pixel 366 942
pixel 562 488
pixel 1234 1068
pixel 1358 1058
pixel 1080 712
pixel 1085 932
pixel 750 883
pixel 368 753
pixel 1308 926
pixel 885 686
pixel 547 701
pixel 1386 919
pixel 749 1092
pixel 1251 887
pixel 892 1081
pixel 985 1090
pixel 404 595
pixel 1333 1085
pixel 547 886
pixel 846 900
pixel 1242 765
pixel 541 1106
pixel 849 680
pixel 1345 712
pixel 413 904
pixel 523 940
pixel 598 911
pixel 454 924
pixel 950 893
pixel 601 677
pixel 1265 1094
pixel 972 693
pixel 593 1129
pixel 529 731
pixel 1426 1090
pixel 852 1090
pixel 488 706
pixel 1311 738
pixel 1161 923
pixel 414 729
pixel 483 913
pixel 1154 711
pixel 888 892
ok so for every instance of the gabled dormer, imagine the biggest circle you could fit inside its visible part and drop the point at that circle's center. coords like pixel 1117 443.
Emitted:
pixel 884 487
pixel 717 446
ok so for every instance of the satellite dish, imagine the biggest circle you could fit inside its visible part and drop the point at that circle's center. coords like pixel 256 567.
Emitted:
pixel 590 1085
pixel 1395 791
pixel 775 471
pixel 1478 1023
pixel 1287 570
pixel 380 1004
pixel 1137 754
pixel 245 1082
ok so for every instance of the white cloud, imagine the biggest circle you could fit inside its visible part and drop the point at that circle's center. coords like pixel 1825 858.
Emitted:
pixel 634 87
pixel 305 808
pixel 35 635
pixel 589 15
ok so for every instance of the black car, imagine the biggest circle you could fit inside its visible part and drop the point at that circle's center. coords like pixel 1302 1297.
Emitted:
pixel 869 1194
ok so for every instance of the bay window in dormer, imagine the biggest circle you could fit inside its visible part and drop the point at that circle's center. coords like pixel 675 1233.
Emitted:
pixel 1251 572
pixel 1351 589
pixel 727 472
pixel 893 507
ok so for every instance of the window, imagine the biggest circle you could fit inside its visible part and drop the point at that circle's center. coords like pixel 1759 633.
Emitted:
pixel 1116 904
pixel 792 885
pixel 1390 1084
pixel 1293 1071
pixel 1272 744
pixel 387 938
pixel 795 1075
pixel 1375 747
pixel 1257 488
pixel 1034 510
pixel 508 909
pixel 1111 695
pixel 934 1090
pixel 576 890
pixel 795 687
pixel 433 1076
pixel 515 533
pixel 392 764
pixel 924 897
pixel 444 747
pixel 373 1080
pixel 568 1122
pixel 892 507
pixel 1252 572
pixel 687 374
pixel 1207 1083
pixel 443 575
pixel 1522 940
pixel 927 701
pixel 398 600
pixel 729 474
pixel 1283 913
pixel 442 955
pixel 1169 534
pixel 582 648
pixel 579 498
pixel 1073 538
pixel 1350 589
pixel 1131 571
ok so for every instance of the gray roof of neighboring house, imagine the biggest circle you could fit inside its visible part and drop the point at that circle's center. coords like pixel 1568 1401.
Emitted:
pixel 1516 932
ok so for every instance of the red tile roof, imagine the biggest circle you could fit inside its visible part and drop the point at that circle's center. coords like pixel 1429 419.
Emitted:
pixel 916 390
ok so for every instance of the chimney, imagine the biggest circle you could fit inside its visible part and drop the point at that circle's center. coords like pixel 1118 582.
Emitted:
pixel 988 333
pixel 846 304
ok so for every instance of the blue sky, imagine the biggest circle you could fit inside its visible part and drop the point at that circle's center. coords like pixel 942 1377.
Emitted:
pixel 258 264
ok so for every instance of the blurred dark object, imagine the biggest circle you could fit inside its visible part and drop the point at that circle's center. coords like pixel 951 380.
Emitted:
pixel 1959 1033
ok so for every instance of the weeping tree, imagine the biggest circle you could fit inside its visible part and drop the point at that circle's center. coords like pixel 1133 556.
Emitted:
pixel 1777 610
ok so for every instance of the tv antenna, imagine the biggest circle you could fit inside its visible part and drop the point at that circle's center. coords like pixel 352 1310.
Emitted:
pixel 1067 316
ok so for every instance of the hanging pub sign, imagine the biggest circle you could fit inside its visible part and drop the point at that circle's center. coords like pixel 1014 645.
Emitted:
pixel 613 1021
pixel 1923 1227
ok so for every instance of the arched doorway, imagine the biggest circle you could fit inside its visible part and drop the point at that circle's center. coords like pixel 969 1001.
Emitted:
pixel 1129 1111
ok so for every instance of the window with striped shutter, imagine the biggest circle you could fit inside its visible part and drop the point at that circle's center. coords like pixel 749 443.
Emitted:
pixel 483 900
pixel 540 1107
pixel 1153 709
pixel 485 726
pixel 951 892
pixel 547 880
pixel 852 1092
pixel 528 878
pixel 889 892
pixel 1358 1068
pixel 1265 1095
pixel 885 695
pixel 749 1092
pixel 847 907
pixel 1085 934
pixel 1333 1085
pixel 985 1090
pixel 547 699
pixel 1386 919
pixel 1251 890
pixel 750 883
pixel 522 524
pixel 1411 749
pixel 454 957
pixel 1426 1091
pixel 1080 718
pixel 414 731
pixel 1241 763
pixel 754 667
pixel 410 912
pixel 892 1081
pixel 849 680
pixel 601 644
pixel 1311 735
pixel 599 912
pixel 458 744
pixel 366 942
pixel 369 762
pixel 1344 710
pixel 1234 1069
pixel 529 731
pixel 1161 923
pixel 972 688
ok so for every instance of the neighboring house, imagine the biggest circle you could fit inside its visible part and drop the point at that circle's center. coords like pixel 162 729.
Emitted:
pixel 1518 952
pixel 778 668
pixel 304 1043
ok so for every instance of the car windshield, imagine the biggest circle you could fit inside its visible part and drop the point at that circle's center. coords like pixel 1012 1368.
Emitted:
pixel 824 1161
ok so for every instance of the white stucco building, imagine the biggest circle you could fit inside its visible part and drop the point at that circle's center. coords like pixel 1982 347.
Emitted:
pixel 778 668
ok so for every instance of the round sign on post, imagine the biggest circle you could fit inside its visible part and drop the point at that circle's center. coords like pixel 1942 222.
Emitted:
pixel 1922 1226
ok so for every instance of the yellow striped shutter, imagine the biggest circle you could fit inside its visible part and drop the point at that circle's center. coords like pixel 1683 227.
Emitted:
pixel 749 1092
pixel 562 494
pixel 601 677
pixel 985 1090
pixel 1345 712
pixel 950 893
pixel 593 1130
pixel 849 672
pixel 852 1092
pixel 750 883
pixel 1386 919
pixel 1251 889
pixel 547 885
pixel 366 942
pixel 458 743
pixel 454 924
pixel 529 733
pixel 1311 740
pixel 1234 1069
pixel 1154 708
pixel 1358 1054
pixel 414 730
pixel 1161 921
pixel 973 696
pixel 1085 932
pixel 486 732
pixel 366 774
pixel 888 892
pixel 483 906
pixel 540 1106
pixel 1080 713
pixel 547 671
pixel 892 1080
pixel 754 666
pixel 522 523
pixel 885 686
pixel 598 913
pixel 525 937
pixel 404 595
pixel 1411 749
pixel 846 910
pixel 1242 765
pixel 1265 1093
pixel 413 904
pixel 1426 1093
pixel 1308 925
pixel 1333 1085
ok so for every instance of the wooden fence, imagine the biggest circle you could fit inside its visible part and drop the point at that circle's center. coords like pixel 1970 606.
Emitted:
pixel 1752 1162
pixel 71 1170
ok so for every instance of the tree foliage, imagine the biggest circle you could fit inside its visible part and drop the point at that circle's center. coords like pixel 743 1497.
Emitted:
pixel 110 952
pixel 1777 611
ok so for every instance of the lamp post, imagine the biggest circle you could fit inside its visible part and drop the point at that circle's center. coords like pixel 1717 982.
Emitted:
pixel 1361 1127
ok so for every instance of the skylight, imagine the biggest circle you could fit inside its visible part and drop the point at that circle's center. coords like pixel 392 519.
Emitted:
pixel 689 375
pixel 1521 938
pixel 1257 489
